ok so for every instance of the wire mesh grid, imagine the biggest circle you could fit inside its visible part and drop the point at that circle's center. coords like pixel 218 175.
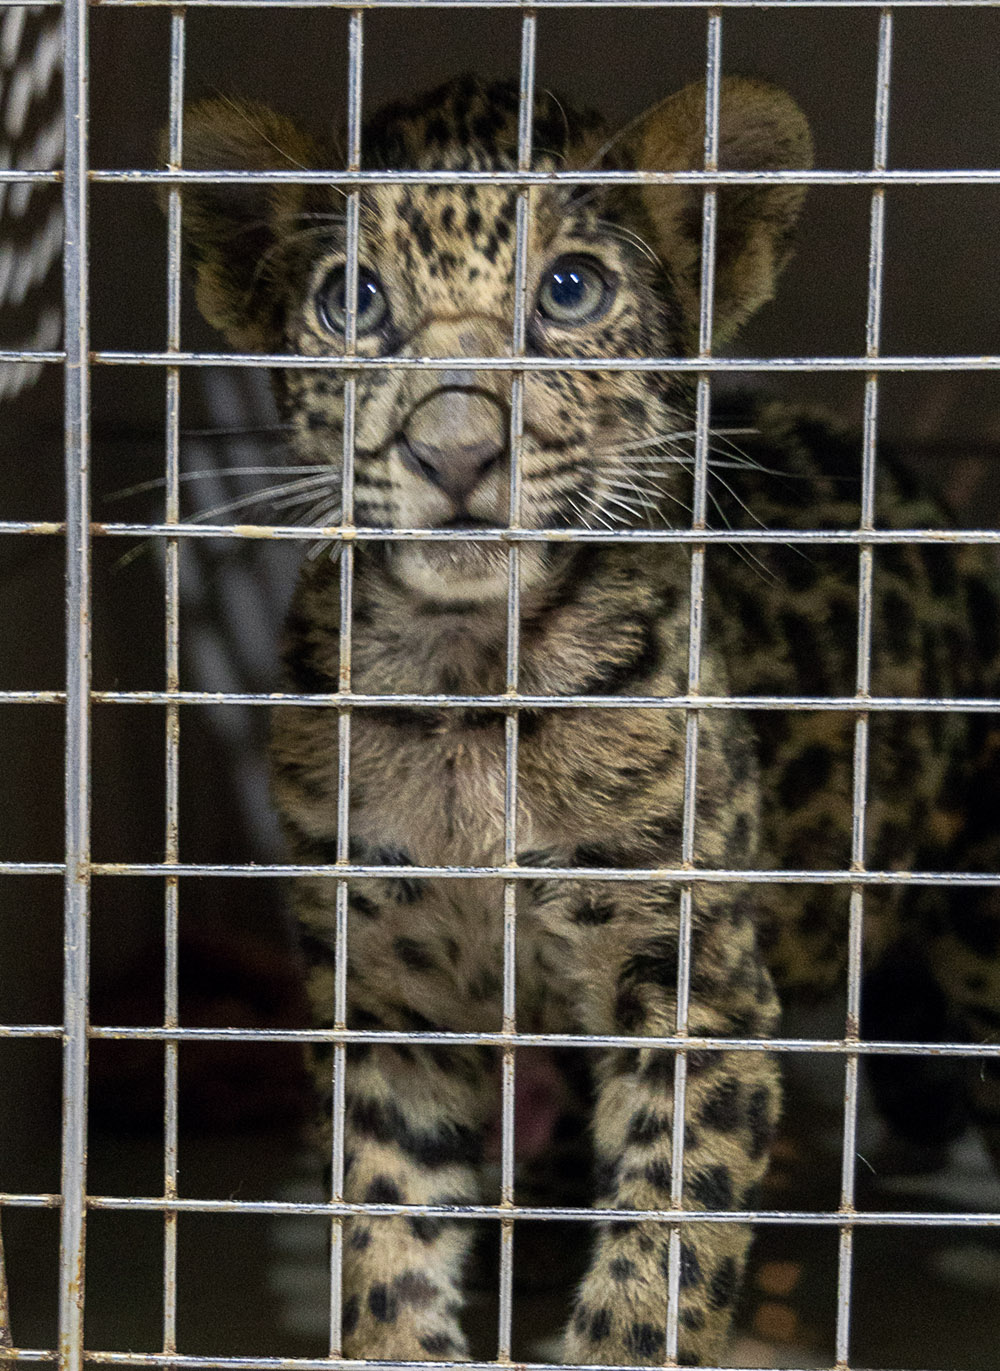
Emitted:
pixel 78 870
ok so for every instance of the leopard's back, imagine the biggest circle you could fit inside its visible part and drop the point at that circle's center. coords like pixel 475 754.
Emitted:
pixel 789 615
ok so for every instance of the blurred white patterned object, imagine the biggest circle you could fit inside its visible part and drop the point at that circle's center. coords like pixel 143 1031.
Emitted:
pixel 31 217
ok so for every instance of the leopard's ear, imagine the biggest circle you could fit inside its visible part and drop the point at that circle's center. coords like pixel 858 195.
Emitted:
pixel 235 232
pixel 761 128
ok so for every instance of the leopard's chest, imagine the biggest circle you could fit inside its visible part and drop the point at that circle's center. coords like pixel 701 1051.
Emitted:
pixel 432 783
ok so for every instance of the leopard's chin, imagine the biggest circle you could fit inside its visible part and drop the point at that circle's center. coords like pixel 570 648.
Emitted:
pixel 475 573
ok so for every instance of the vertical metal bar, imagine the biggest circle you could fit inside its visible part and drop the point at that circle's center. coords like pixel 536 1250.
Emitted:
pixel 713 68
pixel 172 663
pixel 876 252
pixel 354 77
pixel 78 672
pixel 526 107
pixel 6 1341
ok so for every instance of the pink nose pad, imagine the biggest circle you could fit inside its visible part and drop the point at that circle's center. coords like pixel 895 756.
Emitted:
pixel 453 437
pixel 457 470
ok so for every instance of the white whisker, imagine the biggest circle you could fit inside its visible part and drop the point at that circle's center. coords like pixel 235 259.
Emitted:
pixel 158 482
pixel 260 497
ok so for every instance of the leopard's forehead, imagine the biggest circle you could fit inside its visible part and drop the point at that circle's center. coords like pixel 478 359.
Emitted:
pixel 453 245
pixel 445 233
pixel 469 125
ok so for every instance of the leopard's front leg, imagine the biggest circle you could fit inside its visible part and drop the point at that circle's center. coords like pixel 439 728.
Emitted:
pixel 414 1124
pixel 413 1135
pixel 730 1109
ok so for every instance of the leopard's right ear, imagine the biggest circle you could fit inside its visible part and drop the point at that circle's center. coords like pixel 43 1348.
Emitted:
pixel 234 232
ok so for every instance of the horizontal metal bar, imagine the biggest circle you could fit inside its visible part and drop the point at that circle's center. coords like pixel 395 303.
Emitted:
pixel 30 355
pixel 536 1213
pixel 651 875
pixel 519 5
pixel 36 526
pixel 922 176
pixel 32 868
pixel 850 537
pixel 899 176
pixel 299 362
pixel 838 704
pixel 983 362
pixel 14 176
pixel 821 1218
pixel 672 1043
pixel 552 4
pixel 195 1363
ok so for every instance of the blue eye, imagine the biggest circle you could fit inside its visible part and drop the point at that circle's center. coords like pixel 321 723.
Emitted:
pixel 574 290
pixel 372 305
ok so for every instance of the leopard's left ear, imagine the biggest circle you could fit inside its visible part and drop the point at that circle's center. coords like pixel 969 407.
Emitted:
pixel 761 128
pixel 235 232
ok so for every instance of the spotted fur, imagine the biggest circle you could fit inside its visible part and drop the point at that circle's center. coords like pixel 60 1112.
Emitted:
pixel 601 787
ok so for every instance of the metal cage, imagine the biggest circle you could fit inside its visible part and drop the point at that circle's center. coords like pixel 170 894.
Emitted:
pixel 78 700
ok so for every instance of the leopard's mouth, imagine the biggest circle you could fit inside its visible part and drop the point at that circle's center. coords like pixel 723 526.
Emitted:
pixel 469 523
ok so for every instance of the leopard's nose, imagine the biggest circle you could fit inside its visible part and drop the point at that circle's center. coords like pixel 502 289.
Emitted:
pixel 454 439
pixel 456 470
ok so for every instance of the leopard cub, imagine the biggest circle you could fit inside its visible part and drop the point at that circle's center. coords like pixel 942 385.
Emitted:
pixel 613 271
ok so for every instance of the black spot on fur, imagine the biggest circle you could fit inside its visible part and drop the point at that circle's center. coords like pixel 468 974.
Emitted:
pixel 621 1269
pixel 629 1012
pixel 723 1110
pixel 349 1316
pixel 446 1145
pixel 805 774
pixel 405 889
pixel 594 912
pixel 646 1127
pixel 594 854
pixel 713 1188
pixel 658 1071
pixel 360 1238
pixel 640 659
pixel 382 1304
pixel 645 1340
pixel 759 1121
pixel 414 954
pixel 690 1266
pixel 362 905
pixel 722 1287
pixel 425 1229
pixel 415 1289
pixel 655 963
pixel 439 1345
pixel 485 985
pixel 657 1174
pixel 600 1325
pixel 382 1190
